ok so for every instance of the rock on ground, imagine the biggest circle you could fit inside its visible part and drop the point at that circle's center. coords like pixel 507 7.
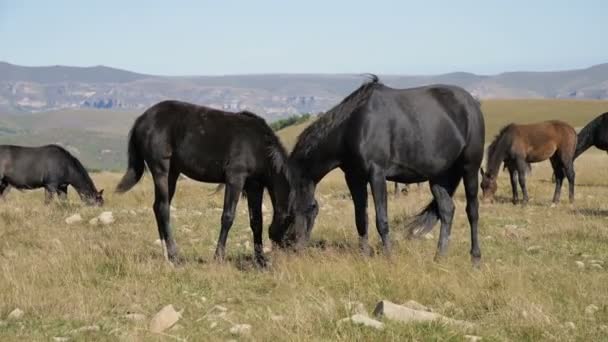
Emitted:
pixel 591 309
pixel 106 217
pixel 365 320
pixel 15 314
pixel 164 319
pixel 472 338
pixel 570 325
pixel 73 219
pixel 404 314
pixel 240 329
pixel 580 264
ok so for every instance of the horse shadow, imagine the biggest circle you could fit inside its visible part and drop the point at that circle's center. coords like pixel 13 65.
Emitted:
pixel 590 212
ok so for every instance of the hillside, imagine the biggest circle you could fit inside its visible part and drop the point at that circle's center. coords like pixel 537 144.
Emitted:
pixel 33 89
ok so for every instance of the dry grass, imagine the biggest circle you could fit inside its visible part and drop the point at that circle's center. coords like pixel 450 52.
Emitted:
pixel 68 276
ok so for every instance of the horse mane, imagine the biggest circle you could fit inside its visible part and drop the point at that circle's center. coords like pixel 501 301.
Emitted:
pixel 327 122
pixel 276 151
pixel 497 149
pixel 586 136
pixel 78 166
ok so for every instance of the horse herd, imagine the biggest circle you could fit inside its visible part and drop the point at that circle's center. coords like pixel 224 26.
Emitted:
pixel 377 133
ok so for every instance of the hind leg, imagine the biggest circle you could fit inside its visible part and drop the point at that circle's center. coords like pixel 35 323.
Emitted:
pixel 255 196
pixel 378 185
pixel 470 180
pixel 358 190
pixel 445 206
pixel 4 188
pixel 161 207
pixel 570 174
pixel 558 171
pixel 234 188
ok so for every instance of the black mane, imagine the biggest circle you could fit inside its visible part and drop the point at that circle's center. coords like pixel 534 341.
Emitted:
pixel 325 123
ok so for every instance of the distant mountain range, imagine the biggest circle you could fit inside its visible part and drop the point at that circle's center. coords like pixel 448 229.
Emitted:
pixel 35 89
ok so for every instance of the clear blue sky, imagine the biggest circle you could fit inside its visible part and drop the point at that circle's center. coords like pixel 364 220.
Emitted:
pixel 259 36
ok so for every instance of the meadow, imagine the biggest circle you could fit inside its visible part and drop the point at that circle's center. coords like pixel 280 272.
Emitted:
pixel 531 285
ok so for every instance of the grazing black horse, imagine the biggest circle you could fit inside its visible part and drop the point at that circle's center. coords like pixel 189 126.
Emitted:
pixel 433 133
pixel 595 133
pixel 209 145
pixel 50 167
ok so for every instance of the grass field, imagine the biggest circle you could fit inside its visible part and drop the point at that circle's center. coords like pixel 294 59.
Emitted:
pixel 529 288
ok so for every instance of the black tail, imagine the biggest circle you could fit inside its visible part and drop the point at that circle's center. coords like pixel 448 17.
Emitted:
pixel 424 221
pixel 136 166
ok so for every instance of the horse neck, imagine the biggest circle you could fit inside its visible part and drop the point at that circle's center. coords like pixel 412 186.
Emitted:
pixel 321 159
pixel 498 154
pixel 81 182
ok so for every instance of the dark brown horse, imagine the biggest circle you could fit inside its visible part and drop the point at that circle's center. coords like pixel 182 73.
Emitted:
pixel 518 145
pixel 209 145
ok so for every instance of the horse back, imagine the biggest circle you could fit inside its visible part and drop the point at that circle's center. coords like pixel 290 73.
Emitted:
pixel 32 167
pixel 203 143
pixel 539 141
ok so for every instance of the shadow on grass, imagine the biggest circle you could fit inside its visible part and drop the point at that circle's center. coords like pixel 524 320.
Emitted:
pixel 591 212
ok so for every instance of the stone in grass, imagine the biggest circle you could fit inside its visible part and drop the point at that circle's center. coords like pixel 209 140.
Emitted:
pixel 73 219
pixel 533 249
pixel 591 309
pixel 15 314
pixel 570 325
pixel 580 264
pixel 597 266
pixel 472 338
pixel 240 329
pixel 404 314
pixel 164 319
pixel 364 320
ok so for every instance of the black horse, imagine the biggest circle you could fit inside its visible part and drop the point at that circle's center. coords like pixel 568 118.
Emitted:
pixel 433 133
pixel 209 145
pixel 595 133
pixel 50 167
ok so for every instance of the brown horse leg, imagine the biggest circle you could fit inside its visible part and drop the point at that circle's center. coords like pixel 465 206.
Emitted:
pixel 513 177
pixel 255 196
pixel 521 174
pixel 234 188
pixel 358 191
pixel 558 171
pixel 570 174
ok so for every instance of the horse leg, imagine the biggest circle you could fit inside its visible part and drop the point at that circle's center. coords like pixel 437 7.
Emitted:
pixel 521 175
pixel 513 176
pixel 445 207
pixel 3 189
pixel 568 166
pixel 170 244
pixel 255 195
pixel 558 171
pixel 62 192
pixel 161 209
pixel 358 191
pixel 378 185
pixel 470 180
pixel 49 191
pixel 233 190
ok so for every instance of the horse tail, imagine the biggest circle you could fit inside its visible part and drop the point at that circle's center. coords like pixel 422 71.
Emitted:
pixel 136 167
pixel 425 220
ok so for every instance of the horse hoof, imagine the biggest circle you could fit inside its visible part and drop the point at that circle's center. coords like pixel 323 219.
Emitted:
pixel 260 261
pixel 476 262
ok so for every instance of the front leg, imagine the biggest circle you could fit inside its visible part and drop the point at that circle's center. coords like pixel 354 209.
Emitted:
pixel 49 191
pixel 378 184
pixel 62 192
pixel 513 176
pixel 521 174
pixel 357 185
pixel 255 195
